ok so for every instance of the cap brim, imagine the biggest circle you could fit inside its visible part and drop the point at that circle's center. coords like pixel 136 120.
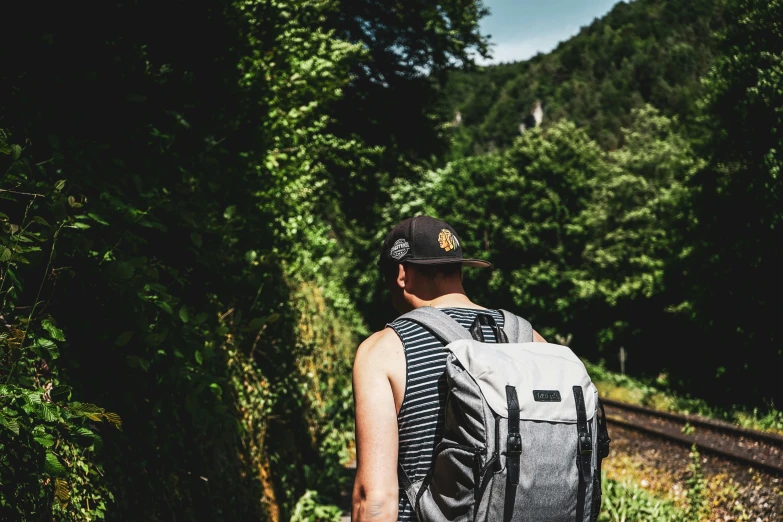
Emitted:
pixel 474 263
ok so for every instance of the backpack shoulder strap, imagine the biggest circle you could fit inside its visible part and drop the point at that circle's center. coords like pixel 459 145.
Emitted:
pixel 517 329
pixel 439 323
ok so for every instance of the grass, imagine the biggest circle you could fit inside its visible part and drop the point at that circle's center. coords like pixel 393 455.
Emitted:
pixel 625 501
pixel 634 491
pixel 654 394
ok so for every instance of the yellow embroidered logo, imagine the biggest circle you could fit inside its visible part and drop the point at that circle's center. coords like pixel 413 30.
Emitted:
pixel 447 241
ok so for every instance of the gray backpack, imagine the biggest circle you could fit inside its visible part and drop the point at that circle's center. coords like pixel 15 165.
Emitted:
pixel 524 432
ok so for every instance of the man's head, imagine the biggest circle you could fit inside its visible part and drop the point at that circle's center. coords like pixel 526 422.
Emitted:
pixel 421 259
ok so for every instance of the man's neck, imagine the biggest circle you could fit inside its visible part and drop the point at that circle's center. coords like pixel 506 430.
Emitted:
pixel 455 300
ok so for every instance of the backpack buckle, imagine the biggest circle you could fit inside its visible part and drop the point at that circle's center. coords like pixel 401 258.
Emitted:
pixel 585 444
pixel 514 444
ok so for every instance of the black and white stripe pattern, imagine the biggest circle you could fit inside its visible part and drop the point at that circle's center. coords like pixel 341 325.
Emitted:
pixel 421 417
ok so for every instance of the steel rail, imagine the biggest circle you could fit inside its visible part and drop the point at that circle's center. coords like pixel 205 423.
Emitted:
pixel 757 458
pixel 697 420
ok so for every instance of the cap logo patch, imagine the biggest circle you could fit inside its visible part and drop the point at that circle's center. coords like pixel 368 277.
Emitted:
pixel 447 241
pixel 399 249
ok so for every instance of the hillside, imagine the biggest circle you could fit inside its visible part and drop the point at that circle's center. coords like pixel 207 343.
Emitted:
pixel 646 51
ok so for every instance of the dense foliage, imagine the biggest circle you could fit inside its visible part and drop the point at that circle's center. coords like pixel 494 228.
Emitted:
pixel 177 335
pixel 579 237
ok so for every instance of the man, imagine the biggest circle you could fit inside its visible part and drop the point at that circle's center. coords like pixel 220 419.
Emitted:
pixel 398 375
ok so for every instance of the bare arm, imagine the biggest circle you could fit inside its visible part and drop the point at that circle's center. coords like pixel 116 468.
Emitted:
pixel 375 491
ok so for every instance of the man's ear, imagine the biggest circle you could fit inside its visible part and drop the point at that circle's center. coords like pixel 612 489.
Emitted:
pixel 401 276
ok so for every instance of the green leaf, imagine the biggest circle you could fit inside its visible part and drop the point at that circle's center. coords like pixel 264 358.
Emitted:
pixel 97 218
pixel 16 151
pixel 45 440
pixel 165 307
pixel 59 185
pixel 124 338
pixel 55 332
pixel 49 412
pixel 43 342
pixel 85 432
pixel 10 423
pixel 61 492
pixel 198 356
pixel 49 346
pixel 79 225
pixel 5 254
pixel 196 238
pixel 32 397
pixel 41 221
pixel 113 419
pixel 183 314
pixel 53 466
pixel 88 437
pixel 90 411
pixel 60 393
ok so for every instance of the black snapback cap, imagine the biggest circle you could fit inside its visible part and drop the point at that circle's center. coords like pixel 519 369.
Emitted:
pixel 424 240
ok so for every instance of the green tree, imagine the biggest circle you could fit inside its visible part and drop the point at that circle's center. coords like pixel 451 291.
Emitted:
pixel 642 52
pixel 517 209
pixel 634 236
pixel 737 238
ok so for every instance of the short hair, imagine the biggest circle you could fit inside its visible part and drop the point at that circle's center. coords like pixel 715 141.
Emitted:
pixel 445 270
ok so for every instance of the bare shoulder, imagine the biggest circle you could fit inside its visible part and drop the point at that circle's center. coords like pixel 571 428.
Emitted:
pixel 378 349
pixel 537 337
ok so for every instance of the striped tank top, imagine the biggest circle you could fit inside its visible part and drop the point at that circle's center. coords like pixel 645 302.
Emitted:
pixel 421 418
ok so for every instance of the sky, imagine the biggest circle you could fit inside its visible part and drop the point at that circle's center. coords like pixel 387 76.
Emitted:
pixel 521 28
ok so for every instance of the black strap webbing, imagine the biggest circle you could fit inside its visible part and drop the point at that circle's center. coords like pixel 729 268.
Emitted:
pixel 483 319
pixel 584 451
pixel 513 453
pixel 402 477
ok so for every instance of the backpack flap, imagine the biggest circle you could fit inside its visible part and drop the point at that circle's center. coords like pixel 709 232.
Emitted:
pixel 543 375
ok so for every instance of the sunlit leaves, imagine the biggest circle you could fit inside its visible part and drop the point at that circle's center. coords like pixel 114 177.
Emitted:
pixel 45 439
pixel 9 422
pixel 53 465
pixel 95 413
pixel 638 205
pixel 61 492
pixel 53 331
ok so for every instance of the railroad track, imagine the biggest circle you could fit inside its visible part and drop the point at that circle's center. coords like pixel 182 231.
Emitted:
pixel 760 449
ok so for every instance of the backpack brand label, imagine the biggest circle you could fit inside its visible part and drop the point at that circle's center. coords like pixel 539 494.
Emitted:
pixel 546 396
